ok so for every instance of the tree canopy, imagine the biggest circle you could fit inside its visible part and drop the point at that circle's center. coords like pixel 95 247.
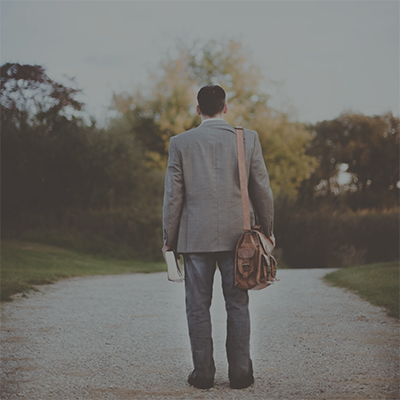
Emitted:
pixel 30 97
pixel 366 148
pixel 51 159
pixel 167 108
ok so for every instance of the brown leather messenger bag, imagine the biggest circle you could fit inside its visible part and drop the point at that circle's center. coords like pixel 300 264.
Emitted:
pixel 255 267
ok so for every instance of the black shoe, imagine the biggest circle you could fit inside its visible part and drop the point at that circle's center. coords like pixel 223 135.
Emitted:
pixel 242 383
pixel 200 383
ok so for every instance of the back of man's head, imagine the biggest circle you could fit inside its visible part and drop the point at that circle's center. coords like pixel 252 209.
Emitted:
pixel 211 100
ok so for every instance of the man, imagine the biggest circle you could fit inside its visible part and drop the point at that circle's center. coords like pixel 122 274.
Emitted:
pixel 202 219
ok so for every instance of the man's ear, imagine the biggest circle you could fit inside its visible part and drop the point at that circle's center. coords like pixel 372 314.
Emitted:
pixel 225 108
pixel 198 110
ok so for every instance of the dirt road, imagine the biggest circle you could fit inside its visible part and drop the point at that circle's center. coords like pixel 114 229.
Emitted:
pixel 125 337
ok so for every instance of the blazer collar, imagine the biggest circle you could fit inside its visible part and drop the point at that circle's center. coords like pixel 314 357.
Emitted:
pixel 217 123
pixel 209 120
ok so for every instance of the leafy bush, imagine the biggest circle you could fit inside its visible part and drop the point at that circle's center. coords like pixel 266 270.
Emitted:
pixel 328 239
pixel 124 233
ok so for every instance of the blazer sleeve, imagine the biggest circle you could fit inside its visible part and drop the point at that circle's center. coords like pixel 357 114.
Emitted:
pixel 259 189
pixel 173 197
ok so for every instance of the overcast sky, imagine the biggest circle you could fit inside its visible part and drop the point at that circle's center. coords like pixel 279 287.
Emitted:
pixel 330 56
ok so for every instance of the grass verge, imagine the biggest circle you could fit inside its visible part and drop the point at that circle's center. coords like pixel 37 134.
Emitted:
pixel 25 264
pixel 376 283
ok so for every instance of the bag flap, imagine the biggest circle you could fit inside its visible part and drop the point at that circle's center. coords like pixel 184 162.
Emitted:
pixel 265 242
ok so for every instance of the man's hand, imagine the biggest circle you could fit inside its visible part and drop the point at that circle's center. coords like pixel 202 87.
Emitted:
pixel 272 239
pixel 165 249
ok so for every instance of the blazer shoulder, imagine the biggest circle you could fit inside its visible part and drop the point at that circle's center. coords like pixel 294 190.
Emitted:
pixel 182 137
pixel 250 133
pixel 251 136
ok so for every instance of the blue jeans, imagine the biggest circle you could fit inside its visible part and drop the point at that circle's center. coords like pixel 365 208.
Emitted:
pixel 199 278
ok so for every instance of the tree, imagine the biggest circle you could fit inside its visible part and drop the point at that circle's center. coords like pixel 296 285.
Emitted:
pixel 364 147
pixel 167 108
pixel 29 97
pixel 51 159
pixel 160 112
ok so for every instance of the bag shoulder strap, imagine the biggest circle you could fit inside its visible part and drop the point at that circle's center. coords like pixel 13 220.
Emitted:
pixel 243 179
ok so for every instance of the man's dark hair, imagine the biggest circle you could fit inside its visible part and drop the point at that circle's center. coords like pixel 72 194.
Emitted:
pixel 211 100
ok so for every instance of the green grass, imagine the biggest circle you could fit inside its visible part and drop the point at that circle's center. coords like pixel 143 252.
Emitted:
pixel 25 264
pixel 376 283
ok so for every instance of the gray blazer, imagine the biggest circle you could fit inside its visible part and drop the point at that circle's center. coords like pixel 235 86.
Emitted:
pixel 202 202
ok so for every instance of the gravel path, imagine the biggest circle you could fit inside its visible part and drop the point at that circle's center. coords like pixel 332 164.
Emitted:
pixel 125 337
